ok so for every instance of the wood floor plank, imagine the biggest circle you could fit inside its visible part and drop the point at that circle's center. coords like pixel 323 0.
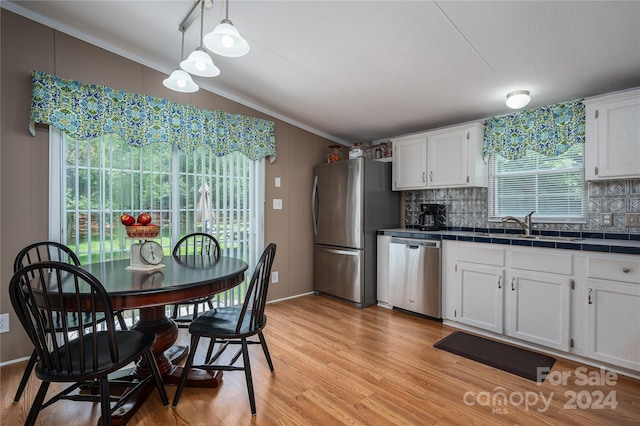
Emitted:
pixel 338 365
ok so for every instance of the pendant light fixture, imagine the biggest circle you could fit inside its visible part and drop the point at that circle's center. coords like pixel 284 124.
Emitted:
pixel 225 40
pixel 199 62
pixel 179 80
pixel 518 99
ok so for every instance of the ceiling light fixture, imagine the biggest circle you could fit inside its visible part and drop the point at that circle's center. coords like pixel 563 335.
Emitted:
pixel 518 99
pixel 225 40
pixel 199 62
pixel 179 80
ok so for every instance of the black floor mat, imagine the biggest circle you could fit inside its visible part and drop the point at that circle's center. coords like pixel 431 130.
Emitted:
pixel 521 362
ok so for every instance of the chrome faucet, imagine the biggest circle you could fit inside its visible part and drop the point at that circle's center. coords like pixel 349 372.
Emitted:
pixel 526 225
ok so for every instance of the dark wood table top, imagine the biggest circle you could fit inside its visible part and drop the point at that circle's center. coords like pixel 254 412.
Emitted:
pixel 183 278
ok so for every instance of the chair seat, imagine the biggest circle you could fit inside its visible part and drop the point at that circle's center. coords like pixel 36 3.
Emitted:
pixel 129 346
pixel 223 322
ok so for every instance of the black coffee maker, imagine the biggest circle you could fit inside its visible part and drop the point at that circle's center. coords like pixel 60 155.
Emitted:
pixel 431 216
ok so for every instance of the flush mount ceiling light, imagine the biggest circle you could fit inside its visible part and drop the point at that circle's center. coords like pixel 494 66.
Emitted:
pixel 179 80
pixel 225 40
pixel 199 62
pixel 518 99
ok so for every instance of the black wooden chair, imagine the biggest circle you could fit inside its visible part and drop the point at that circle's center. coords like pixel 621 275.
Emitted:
pixel 233 326
pixel 196 244
pixel 84 351
pixel 40 252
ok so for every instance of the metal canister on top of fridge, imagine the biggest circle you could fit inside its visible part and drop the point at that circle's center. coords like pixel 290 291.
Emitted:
pixel 355 151
pixel 360 149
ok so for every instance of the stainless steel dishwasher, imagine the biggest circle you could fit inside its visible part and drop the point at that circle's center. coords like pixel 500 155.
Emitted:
pixel 414 275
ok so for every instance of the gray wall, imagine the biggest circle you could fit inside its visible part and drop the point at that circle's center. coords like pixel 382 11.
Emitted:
pixel 24 172
pixel 468 206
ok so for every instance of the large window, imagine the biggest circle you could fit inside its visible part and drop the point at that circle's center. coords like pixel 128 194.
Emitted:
pixel 553 187
pixel 93 182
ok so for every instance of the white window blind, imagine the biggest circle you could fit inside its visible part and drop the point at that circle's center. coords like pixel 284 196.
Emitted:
pixel 553 187
pixel 93 182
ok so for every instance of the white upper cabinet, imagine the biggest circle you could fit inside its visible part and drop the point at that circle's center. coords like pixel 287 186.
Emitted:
pixel 410 162
pixel 445 158
pixel 612 147
pixel 455 157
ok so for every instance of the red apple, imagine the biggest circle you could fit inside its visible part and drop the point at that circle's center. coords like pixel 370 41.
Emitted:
pixel 127 219
pixel 144 219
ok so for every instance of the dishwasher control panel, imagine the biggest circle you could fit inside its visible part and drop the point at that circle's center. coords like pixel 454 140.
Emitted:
pixel 415 242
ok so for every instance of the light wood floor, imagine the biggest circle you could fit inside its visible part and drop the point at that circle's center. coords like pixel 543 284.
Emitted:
pixel 335 365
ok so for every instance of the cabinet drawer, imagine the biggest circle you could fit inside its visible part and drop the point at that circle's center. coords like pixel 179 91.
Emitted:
pixel 614 269
pixel 552 263
pixel 481 254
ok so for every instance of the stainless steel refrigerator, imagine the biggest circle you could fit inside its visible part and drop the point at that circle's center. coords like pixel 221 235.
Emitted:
pixel 351 200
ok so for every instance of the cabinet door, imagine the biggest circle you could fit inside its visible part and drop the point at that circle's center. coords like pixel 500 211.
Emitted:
pixel 481 296
pixel 613 315
pixel 539 308
pixel 447 158
pixel 410 163
pixel 613 137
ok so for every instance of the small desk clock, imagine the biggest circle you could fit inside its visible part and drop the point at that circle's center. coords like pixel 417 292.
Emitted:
pixel 146 255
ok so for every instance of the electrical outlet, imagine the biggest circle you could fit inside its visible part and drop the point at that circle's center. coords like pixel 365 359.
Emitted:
pixel 606 219
pixel 274 277
pixel 632 220
pixel 4 323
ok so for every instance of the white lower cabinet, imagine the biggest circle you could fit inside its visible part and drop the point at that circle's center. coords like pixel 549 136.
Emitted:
pixel 549 297
pixel 613 310
pixel 475 289
pixel 523 293
pixel 481 296
pixel 539 309
pixel 539 297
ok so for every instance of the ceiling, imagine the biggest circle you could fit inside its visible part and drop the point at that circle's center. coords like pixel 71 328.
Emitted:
pixel 370 70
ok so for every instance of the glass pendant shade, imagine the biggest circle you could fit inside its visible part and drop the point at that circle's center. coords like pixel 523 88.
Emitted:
pixel 200 63
pixel 518 99
pixel 225 40
pixel 180 81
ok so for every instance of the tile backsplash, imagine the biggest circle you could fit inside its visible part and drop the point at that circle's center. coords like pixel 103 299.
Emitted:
pixel 468 207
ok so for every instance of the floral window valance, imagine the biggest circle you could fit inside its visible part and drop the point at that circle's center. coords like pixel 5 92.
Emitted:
pixel 550 130
pixel 88 110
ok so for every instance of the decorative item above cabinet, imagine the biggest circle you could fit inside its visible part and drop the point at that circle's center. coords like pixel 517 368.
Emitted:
pixel 445 158
pixel 612 146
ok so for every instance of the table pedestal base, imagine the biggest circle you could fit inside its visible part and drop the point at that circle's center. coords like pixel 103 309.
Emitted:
pixel 167 357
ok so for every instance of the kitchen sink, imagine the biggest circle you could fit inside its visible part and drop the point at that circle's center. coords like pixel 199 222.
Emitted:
pixel 527 237
pixel 546 237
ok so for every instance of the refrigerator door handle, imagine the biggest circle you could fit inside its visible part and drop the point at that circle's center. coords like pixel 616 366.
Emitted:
pixel 338 251
pixel 314 205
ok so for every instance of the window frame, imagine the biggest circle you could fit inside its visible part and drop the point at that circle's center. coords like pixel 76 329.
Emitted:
pixel 57 214
pixel 538 217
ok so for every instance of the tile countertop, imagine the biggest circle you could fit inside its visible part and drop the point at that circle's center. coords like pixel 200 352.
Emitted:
pixel 586 241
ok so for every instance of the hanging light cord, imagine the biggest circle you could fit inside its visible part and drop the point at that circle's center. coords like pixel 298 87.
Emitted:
pixel 182 47
pixel 226 16
pixel 201 21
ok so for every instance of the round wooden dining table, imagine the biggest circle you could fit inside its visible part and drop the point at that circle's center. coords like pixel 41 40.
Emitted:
pixel 177 279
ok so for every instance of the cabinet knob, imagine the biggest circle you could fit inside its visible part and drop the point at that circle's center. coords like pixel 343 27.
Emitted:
pixel 512 283
pixel 589 298
pixel 424 176
pixel 626 270
pixel 499 281
pixel 431 176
